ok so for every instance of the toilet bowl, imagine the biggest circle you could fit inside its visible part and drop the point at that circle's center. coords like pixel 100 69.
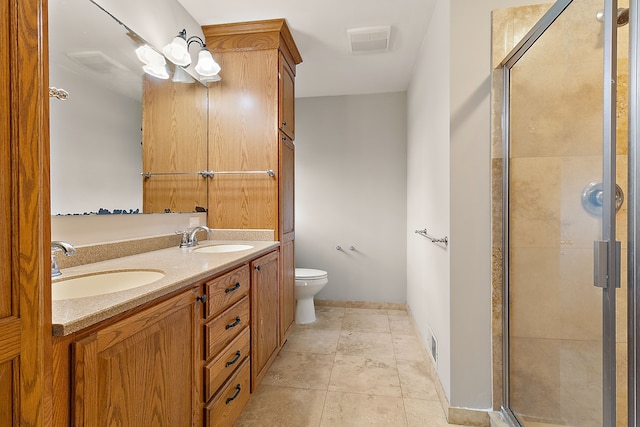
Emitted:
pixel 308 284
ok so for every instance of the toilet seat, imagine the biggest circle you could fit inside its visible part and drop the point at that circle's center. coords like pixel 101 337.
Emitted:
pixel 310 274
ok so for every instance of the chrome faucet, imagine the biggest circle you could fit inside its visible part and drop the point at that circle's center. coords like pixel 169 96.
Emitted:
pixel 68 250
pixel 189 238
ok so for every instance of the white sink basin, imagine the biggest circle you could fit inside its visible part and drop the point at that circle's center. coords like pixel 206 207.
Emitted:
pixel 102 283
pixel 220 249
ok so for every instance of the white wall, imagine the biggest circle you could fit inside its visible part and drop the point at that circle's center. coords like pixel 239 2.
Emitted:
pixel 96 156
pixel 351 190
pixel 449 192
pixel 428 190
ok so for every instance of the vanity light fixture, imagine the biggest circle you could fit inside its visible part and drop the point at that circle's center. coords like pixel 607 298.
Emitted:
pixel 181 76
pixel 154 62
pixel 178 52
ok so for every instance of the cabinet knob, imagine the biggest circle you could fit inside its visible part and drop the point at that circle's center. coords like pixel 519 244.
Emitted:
pixel 202 298
pixel 284 123
pixel 257 267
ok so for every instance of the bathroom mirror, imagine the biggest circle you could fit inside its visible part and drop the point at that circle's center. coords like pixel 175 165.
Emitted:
pixel 96 134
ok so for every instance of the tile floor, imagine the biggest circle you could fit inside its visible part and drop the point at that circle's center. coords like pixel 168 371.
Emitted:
pixel 352 367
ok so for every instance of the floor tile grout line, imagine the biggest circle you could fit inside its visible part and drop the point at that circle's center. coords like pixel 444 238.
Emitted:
pixel 326 394
pixel 335 354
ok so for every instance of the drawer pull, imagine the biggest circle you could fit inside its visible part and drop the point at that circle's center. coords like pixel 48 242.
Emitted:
pixel 232 398
pixel 235 359
pixel 234 324
pixel 233 288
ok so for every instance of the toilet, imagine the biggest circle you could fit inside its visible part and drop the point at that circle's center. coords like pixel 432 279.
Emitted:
pixel 308 284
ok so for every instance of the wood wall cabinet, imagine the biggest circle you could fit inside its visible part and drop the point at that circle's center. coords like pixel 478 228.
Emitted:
pixel 252 127
pixel 264 315
pixel 286 97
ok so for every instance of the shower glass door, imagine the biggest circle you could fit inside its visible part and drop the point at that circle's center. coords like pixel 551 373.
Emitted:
pixel 560 348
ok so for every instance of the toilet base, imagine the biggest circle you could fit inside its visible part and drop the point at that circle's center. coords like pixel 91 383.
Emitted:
pixel 305 311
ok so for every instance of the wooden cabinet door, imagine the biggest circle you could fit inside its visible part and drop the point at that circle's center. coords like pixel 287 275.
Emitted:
pixel 140 371
pixel 286 184
pixel 25 292
pixel 286 98
pixel 264 315
pixel 287 287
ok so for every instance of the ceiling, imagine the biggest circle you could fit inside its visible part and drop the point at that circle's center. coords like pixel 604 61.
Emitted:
pixel 320 31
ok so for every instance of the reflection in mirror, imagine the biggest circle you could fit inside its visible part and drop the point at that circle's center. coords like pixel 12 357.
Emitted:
pixel 97 134
pixel 174 122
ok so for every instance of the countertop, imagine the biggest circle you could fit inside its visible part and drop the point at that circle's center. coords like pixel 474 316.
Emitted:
pixel 182 267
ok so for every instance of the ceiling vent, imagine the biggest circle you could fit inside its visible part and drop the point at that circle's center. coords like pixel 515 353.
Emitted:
pixel 369 39
pixel 96 61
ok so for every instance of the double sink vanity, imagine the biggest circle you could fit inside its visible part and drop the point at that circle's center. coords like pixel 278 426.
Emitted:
pixel 173 336
pixel 176 336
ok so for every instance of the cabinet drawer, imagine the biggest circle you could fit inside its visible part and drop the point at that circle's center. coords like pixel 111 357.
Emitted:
pixel 224 328
pixel 225 290
pixel 220 369
pixel 226 406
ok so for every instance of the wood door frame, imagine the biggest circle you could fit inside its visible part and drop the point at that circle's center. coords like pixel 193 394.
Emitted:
pixel 30 207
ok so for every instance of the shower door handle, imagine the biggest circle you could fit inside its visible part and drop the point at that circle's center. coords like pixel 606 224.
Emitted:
pixel 601 264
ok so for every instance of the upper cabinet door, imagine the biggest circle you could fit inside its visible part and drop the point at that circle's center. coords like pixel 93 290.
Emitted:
pixel 286 99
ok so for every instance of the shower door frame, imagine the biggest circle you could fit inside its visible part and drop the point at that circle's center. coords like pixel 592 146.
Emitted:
pixel 633 269
pixel 609 209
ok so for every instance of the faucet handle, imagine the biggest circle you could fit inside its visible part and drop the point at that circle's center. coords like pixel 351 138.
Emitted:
pixel 185 238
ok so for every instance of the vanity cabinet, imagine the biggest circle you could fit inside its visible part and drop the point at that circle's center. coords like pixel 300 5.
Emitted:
pixel 140 370
pixel 190 359
pixel 252 128
pixel 264 315
pixel 227 346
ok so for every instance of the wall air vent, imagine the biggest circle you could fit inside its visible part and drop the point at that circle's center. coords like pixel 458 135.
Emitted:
pixel 96 61
pixel 369 39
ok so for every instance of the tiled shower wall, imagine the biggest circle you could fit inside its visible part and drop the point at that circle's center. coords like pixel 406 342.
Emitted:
pixel 556 134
